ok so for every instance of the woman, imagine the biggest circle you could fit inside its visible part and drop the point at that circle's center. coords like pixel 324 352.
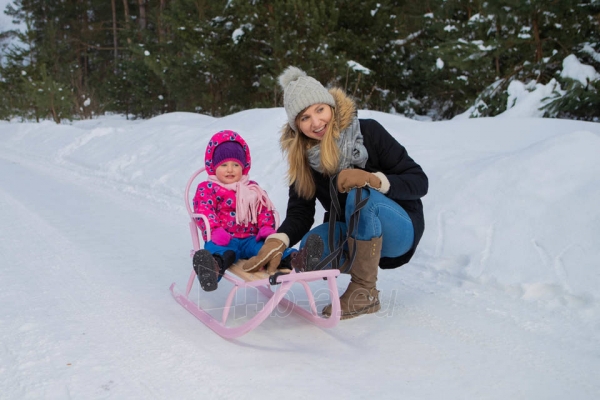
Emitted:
pixel 324 137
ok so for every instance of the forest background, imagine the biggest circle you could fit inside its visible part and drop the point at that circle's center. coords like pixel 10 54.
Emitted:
pixel 428 59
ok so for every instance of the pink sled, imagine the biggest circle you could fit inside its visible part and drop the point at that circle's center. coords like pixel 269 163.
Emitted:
pixel 274 293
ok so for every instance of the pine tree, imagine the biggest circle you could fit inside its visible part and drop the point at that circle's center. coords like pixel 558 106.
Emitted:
pixel 436 58
pixel 267 36
pixel 534 38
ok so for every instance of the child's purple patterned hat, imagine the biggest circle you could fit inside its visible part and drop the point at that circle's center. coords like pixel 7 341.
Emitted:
pixel 229 151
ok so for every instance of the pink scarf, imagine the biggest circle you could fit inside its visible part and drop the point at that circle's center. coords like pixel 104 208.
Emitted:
pixel 249 200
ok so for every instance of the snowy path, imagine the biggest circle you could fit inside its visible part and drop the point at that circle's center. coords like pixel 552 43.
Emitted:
pixel 86 313
pixel 67 236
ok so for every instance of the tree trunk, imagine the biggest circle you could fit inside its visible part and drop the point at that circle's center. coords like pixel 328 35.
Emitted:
pixel 498 29
pixel 126 12
pixel 161 25
pixel 142 19
pixel 55 115
pixel 114 25
pixel 83 56
pixel 536 35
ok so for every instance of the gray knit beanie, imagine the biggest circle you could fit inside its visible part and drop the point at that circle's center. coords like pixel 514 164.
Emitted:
pixel 301 91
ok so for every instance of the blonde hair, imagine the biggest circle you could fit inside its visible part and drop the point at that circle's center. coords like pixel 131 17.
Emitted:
pixel 296 144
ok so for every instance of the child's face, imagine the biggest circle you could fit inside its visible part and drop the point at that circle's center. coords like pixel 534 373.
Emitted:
pixel 229 172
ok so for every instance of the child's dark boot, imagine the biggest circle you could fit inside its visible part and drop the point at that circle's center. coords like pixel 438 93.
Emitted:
pixel 210 268
pixel 207 269
pixel 224 261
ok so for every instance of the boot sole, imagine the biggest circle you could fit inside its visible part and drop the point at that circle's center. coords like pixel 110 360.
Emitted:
pixel 312 253
pixel 370 309
pixel 204 265
pixel 367 310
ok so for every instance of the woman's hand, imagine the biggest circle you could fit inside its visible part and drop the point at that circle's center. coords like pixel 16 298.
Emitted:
pixel 269 255
pixel 349 179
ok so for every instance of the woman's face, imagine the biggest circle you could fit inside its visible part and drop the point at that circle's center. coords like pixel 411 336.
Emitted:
pixel 314 120
pixel 229 172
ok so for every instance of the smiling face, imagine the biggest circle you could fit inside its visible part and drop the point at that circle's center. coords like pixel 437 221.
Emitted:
pixel 229 172
pixel 314 120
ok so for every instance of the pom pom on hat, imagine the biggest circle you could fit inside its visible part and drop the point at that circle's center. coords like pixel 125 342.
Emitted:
pixel 301 91
pixel 229 151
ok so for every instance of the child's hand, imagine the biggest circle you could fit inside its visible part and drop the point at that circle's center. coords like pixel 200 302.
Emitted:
pixel 220 237
pixel 264 232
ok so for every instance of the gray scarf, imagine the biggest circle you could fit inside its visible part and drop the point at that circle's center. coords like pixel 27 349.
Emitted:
pixel 352 150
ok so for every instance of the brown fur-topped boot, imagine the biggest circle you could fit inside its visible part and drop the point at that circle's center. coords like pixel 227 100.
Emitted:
pixel 361 296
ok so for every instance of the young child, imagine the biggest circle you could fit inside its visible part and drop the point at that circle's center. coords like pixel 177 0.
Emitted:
pixel 239 212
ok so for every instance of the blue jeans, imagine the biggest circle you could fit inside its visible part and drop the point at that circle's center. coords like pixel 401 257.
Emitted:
pixel 381 216
pixel 243 248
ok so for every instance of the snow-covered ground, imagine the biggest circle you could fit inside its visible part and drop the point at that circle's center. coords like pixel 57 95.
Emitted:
pixel 501 300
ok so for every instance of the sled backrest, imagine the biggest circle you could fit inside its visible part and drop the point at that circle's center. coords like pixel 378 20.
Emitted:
pixel 188 205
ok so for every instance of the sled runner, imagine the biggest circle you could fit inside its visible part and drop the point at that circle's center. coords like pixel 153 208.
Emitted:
pixel 274 288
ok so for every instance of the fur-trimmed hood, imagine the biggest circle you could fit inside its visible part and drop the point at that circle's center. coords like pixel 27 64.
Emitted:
pixel 345 111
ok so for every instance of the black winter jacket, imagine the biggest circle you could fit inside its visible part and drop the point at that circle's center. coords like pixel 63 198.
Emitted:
pixel 408 183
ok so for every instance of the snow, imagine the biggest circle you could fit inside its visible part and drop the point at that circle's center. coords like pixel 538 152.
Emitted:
pixel 575 70
pixel 358 67
pixel 590 50
pixel 237 34
pixel 500 301
pixel 526 100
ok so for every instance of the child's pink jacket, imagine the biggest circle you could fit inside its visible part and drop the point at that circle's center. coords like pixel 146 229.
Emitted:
pixel 218 204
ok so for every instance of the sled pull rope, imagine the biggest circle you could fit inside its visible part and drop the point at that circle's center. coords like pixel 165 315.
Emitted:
pixel 336 252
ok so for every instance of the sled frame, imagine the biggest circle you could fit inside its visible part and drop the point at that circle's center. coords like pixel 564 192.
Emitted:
pixel 274 293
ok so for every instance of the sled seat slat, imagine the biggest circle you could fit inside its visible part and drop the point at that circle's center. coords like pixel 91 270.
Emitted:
pixel 237 270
